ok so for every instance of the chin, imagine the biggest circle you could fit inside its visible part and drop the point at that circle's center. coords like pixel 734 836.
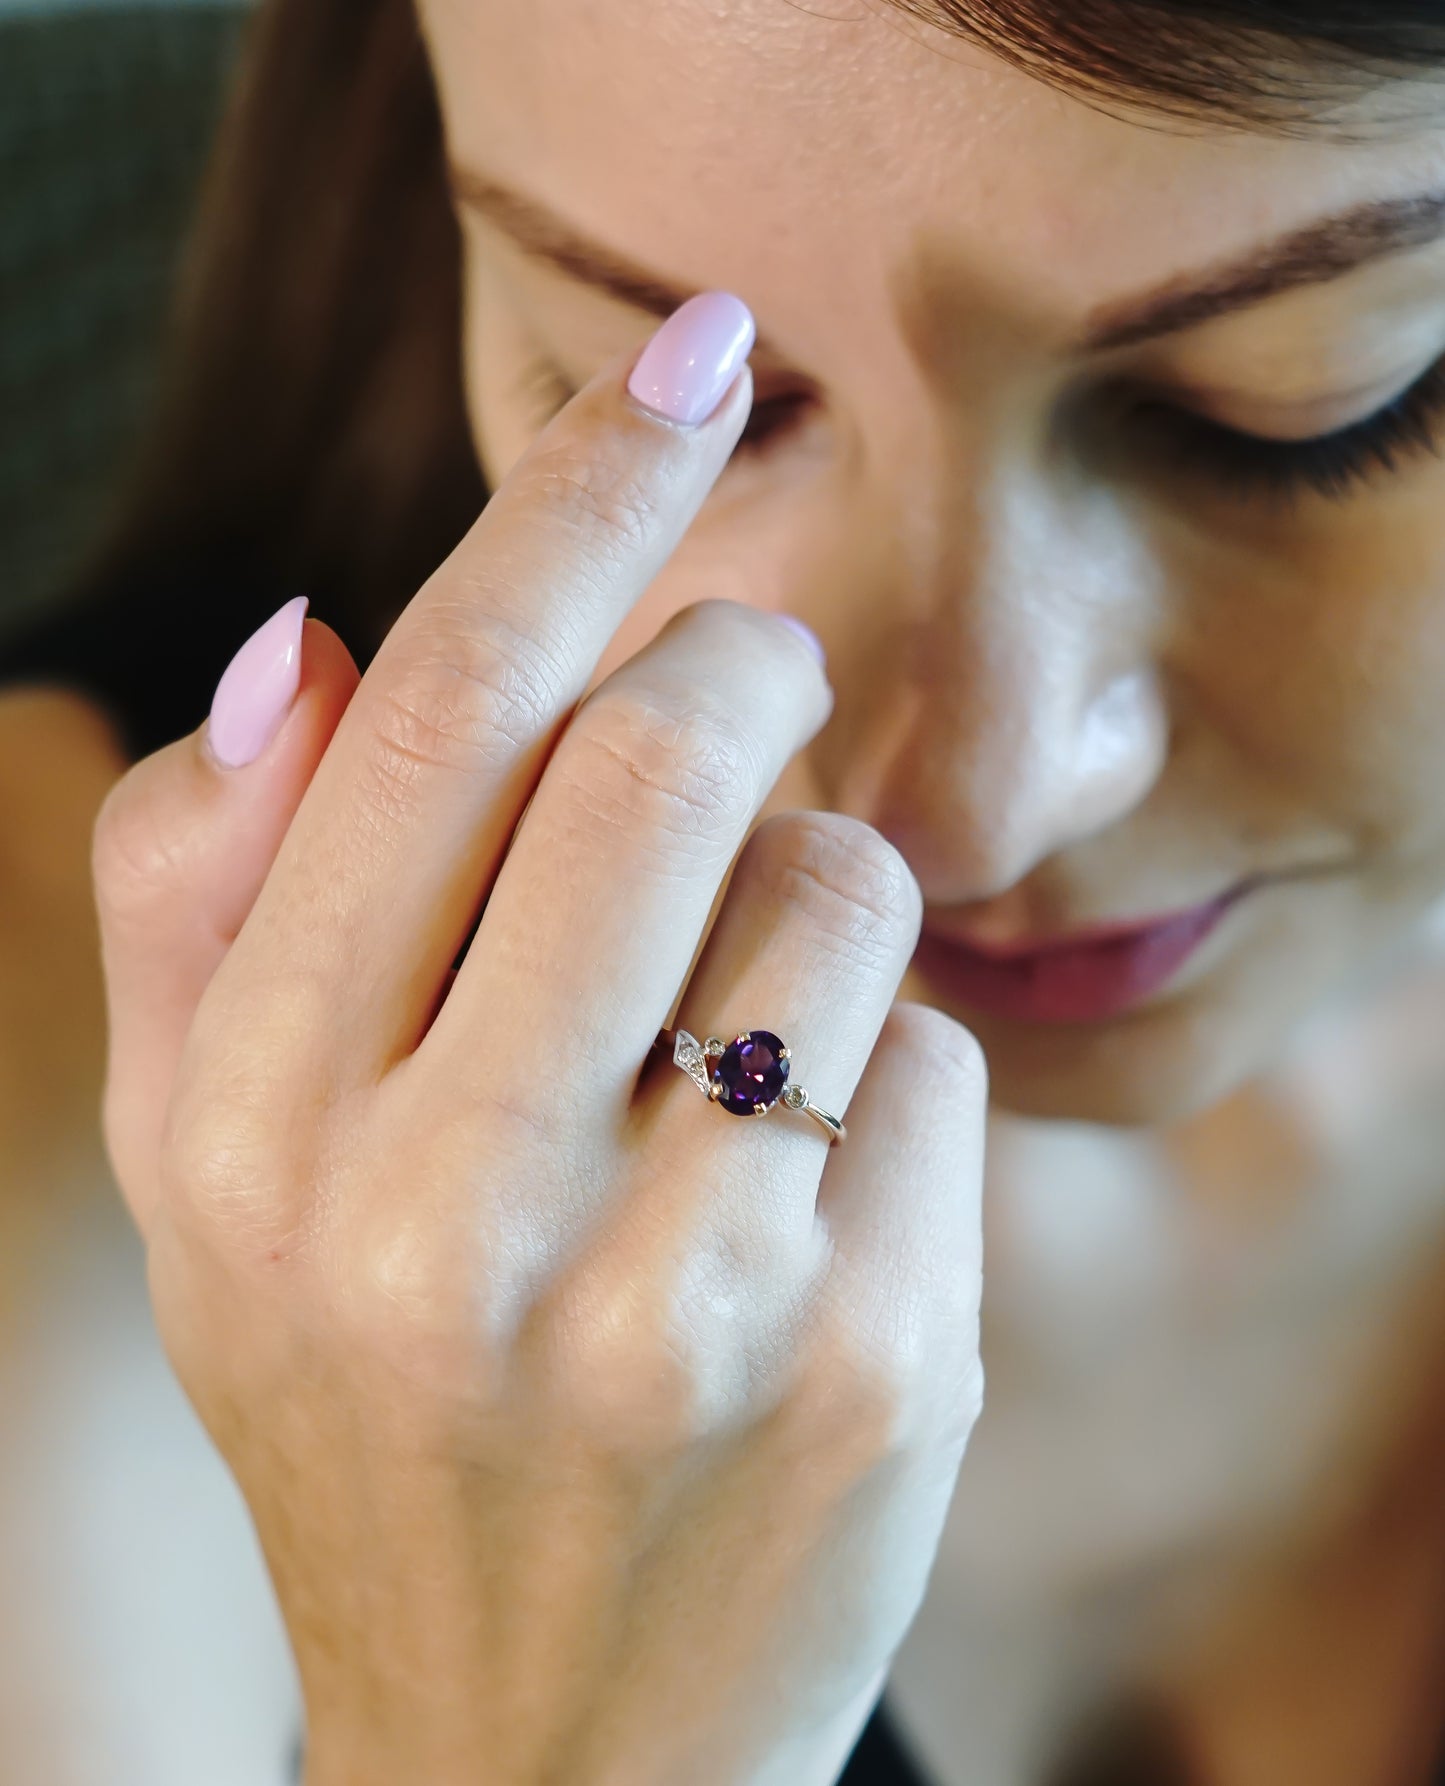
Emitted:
pixel 1138 1075
pixel 1233 1014
pixel 1146 1070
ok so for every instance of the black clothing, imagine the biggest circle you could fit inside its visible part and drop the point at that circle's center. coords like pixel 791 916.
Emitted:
pixel 878 1758
pixel 151 657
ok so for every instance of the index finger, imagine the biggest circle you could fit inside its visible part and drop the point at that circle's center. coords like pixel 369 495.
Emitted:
pixel 401 831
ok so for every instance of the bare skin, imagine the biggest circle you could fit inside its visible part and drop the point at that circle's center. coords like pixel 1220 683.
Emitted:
pixel 1075 688
pixel 1070 698
pixel 554 1392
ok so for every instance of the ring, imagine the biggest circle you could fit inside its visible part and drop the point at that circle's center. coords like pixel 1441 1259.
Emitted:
pixel 748 1076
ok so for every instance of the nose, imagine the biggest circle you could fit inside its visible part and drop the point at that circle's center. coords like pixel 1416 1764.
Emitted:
pixel 1031 715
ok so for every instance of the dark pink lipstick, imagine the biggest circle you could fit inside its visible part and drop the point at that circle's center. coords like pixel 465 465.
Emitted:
pixel 1083 977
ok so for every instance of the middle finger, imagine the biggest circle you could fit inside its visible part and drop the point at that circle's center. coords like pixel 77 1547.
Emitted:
pixel 603 900
pixel 399 834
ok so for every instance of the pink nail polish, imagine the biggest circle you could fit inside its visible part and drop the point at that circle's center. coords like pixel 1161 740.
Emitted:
pixel 807 635
pixel 257 689
pixel 688 366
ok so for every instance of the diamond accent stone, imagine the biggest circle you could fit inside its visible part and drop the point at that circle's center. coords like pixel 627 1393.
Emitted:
pixel 687 1053
pixel 795 1098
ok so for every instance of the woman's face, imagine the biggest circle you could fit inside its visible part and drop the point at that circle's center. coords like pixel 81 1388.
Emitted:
pixel 1096 661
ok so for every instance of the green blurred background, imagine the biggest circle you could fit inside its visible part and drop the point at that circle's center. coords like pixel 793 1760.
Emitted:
pixel 106 112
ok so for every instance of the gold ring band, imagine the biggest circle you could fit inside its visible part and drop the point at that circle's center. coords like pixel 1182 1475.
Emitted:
pixel 749 1076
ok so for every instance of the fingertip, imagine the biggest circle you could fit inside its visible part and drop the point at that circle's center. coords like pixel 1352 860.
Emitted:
pixel 694 359
pixel 310 673
pixel 257 689
pixel 327 662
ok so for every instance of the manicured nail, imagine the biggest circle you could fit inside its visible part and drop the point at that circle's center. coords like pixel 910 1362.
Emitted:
pixel 807 635
pixel 686 369
pixel 256 691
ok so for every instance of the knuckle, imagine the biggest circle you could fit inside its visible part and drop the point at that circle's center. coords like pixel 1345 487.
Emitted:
pixel 919 1361
pixel 638 765
pixel 241 1152
pixel 471 693
pixel 404 1299
pixel 853 1397
pixel 613 1370
pixel 889 1378
pixel 849 883
pixel 220 1163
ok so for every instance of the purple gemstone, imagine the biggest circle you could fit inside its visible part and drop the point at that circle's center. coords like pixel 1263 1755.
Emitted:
pixel 752 1073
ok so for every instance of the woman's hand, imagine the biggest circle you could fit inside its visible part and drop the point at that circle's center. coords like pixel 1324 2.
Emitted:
pixel 591 1435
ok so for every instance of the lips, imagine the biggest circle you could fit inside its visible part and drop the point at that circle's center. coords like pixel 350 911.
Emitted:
pixel 1087 977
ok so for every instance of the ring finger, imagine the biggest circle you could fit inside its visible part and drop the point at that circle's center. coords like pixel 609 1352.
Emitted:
pixel 817 930
pixel 599 909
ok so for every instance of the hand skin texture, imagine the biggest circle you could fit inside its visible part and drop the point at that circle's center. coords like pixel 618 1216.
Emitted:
pixel 591 1434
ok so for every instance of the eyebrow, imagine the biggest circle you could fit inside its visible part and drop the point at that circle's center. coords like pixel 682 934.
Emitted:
pixel 1312 255
pixel 543 235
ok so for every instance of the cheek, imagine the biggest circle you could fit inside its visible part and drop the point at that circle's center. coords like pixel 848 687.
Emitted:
pixel 1332 670
pixel 1390 713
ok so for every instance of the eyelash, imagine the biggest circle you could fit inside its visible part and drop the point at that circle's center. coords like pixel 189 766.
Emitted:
pixel 1246 465
pixel 1331 465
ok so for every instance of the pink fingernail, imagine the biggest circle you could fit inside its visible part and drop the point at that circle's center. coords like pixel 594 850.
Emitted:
pixel 256 691
pixel 686 369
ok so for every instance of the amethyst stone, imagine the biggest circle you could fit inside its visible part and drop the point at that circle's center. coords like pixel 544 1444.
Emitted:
pixel 751 1073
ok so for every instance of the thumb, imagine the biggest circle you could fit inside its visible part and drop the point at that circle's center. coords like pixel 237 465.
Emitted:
pixel 181 848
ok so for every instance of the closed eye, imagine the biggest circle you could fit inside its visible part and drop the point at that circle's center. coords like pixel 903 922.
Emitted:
pixel 1336 466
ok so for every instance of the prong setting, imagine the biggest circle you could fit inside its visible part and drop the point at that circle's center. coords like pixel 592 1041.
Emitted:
pixel 749 1076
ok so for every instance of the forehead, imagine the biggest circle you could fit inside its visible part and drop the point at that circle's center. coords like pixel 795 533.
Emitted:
pixel 768 146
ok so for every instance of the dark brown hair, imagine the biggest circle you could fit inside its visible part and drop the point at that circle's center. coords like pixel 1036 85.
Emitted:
pixel 312 430
pixel 1294 67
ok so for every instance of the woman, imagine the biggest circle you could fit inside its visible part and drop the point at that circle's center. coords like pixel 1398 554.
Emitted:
pixel 1098 367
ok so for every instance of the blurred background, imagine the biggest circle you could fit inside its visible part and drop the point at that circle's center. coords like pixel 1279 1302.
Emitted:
pixel 106 111
pixel 139 1645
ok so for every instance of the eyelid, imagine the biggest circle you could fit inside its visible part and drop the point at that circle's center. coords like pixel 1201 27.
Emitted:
pixel 1336 465
pixel 1340 411
pixel 1330 383
pixel 1324 416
